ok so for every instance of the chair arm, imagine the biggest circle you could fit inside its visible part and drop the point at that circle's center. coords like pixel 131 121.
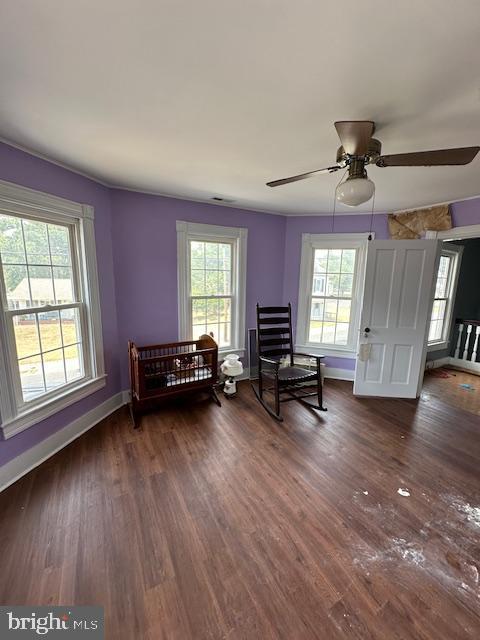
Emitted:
pixel 275 363
pixel 309 355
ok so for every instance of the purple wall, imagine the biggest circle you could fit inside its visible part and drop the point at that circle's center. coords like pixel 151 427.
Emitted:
pixel 29 171
pixel 145 255
pixel 136 252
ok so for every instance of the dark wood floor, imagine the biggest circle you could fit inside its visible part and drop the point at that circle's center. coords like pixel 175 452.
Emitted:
pixel 461 389
pixel 222 523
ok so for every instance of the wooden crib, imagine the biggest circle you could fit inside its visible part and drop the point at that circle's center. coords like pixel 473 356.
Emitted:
pixel 167 370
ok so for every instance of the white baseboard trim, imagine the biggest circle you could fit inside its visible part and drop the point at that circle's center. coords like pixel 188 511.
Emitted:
pixel 465 365
pixel 339 374
pixel 435 364
pixel 455 363
pixel 28 460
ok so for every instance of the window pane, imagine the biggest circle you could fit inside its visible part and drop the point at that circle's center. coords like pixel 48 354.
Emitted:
pixel 16 284
pixel 321 260
pixel 343 314
pixel 73 362
pixel 315 334
pixel 443 266
pixel 211 255
pixel 224 334
pixel 333 278
pixel 224 283
pixel 36 242
pixel 59 238
pixel 341 334
pixel 438 310
pixel 317 309
pixel 211 283
pixel 198 330
pixel 31 377
pixel 71 329
pixel 328 336
pixel 199 310
pixel 26 335
pixel 346 285
pixel 37 267
pixel 197 255
pixel 225 256
pixel 348 260
pixel 333 281
pixel 319 282
pixel 63 284
pixel 211 276
pixel 212 310
pixel 330 310
pixel 435 332
pixel 11 240
pixel 441 287
pixel 54 369
pixel 224 307
pixel 334 260
pixel 213 329
pixel 41 286
pixel 50 334
pixel 198 283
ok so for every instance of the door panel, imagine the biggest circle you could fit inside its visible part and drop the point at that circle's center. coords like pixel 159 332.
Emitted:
pixel 399 282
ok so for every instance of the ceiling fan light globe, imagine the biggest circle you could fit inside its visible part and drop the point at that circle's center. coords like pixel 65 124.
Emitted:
pixel 355 191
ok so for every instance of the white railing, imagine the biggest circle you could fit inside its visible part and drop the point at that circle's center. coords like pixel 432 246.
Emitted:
pixel 467 349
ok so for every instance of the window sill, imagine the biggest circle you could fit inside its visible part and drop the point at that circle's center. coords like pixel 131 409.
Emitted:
pixel 326 351
pixel 438 346
pixel 238 352
pixel 40 412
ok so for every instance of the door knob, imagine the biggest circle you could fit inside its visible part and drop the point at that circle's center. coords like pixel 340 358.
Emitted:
pixel 367 330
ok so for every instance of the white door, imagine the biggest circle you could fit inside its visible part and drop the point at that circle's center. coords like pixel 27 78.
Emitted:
pixel 399 280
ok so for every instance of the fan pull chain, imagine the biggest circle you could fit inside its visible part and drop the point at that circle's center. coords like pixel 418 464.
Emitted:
pixel 371 215
pixel 335 200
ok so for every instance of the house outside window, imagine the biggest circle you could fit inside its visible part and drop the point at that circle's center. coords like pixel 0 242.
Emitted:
pixel 51 350
pixel 332 269
pixel 211 283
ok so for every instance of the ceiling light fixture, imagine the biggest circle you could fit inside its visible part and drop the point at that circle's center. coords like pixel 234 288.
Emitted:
pixel 355 190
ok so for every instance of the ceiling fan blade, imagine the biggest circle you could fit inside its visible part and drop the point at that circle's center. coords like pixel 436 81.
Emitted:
pixel 302 176
pixel 355 135
pixel 463 155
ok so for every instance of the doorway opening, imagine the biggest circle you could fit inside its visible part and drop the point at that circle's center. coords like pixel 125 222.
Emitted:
pixel 452 372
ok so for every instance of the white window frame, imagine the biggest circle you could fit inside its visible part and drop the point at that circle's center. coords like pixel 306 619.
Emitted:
pixel 187 231
pixel 310 242
pixel 456 255
pixel 16 416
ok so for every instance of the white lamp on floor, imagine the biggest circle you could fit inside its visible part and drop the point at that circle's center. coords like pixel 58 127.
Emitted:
pixel 231 367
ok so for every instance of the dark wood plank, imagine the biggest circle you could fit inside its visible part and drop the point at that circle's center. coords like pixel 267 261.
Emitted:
pixel 222 523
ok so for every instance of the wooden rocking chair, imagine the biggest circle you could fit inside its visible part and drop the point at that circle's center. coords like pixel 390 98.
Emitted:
pixel 274 341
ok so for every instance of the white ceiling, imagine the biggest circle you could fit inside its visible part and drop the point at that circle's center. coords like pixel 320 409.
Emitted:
pixel 215 97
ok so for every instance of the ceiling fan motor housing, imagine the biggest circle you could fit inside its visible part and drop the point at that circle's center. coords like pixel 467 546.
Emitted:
pixel 373 153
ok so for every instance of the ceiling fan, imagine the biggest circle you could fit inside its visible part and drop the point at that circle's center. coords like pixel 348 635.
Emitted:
pixel 359 149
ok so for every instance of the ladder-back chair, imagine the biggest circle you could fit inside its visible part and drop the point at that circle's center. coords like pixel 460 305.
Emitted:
pixel 275 342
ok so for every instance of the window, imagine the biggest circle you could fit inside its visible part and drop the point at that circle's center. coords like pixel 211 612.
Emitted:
pixel 442 308
pixel 211 278
pixel 331 274
pixel 50 321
